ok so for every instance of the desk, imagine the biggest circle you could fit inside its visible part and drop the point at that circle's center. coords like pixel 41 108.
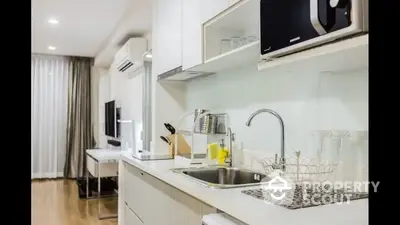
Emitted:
pixel 101 163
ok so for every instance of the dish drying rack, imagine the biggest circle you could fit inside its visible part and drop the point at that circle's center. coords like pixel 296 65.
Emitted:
pixel 205 123
pixel 296 169
pixel 296 172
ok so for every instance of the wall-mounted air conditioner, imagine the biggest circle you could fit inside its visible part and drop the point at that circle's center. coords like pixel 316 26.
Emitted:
pixel 130 57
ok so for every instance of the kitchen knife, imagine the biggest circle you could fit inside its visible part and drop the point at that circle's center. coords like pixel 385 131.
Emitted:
pixel 170 128
pixel 165 139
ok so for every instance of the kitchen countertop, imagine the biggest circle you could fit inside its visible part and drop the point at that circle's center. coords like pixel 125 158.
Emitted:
pixel 249 209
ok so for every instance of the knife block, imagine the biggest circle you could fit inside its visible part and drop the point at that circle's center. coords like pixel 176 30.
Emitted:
pixel 183 146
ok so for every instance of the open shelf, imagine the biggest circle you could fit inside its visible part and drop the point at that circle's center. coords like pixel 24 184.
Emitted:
pixel 240 22
pixel 345 55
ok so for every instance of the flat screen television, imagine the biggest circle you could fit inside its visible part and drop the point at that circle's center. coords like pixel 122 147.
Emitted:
pixel 112 115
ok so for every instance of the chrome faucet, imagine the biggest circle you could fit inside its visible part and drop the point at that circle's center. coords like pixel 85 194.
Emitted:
pixel 248 123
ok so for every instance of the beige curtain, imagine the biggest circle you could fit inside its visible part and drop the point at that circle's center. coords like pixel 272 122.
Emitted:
pixel 79 129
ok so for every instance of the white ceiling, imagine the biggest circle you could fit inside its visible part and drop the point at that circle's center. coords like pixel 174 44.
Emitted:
pixel 84 26
pixel 137 21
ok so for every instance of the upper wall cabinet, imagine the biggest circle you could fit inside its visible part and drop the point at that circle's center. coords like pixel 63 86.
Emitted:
pixel 194 14
pixel 218 35
pixel 231 2
pixel 232 31
pixel 167 35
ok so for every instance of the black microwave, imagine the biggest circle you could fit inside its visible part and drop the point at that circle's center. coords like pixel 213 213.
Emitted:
pixel 289 26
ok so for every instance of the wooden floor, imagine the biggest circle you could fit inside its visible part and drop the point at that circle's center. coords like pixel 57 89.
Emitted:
pixel 56 202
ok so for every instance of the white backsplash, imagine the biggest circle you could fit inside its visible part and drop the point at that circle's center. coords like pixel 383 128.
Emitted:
pixel 307 102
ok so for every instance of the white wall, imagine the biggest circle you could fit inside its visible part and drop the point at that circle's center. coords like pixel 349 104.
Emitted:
pixel 132 103
pixel 104 96
pixel 306 102
pixel 168 100
pixel 168 105
pixel 96 75
pixel 128 95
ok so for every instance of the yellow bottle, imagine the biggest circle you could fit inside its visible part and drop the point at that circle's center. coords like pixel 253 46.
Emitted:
pixel 222 153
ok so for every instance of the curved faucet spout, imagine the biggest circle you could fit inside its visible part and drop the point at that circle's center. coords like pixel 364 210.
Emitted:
pixel 248 123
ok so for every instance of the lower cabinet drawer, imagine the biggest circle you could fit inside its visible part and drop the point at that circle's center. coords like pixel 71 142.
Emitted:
pixel 106 169
pixel 136 192
pixel 130 218
pixel 154 202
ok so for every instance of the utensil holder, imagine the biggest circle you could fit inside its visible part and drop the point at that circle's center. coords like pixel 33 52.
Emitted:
pixel 210 124
pixel 199 126
pixel 183 147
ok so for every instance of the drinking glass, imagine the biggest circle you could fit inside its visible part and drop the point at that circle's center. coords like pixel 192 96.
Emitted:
pixel 235 42
pixel 243 41
pixel 251 39
pixel 225 45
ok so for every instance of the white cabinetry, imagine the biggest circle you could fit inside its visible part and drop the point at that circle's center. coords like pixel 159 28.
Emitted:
pixel 218 35
pixel 211 8
pixel 194 14
pixel 177 31
pixel 231 2
pixel 153 202
pixel 136 193
pixel 167 35
pixel 235 30
pixel 130 217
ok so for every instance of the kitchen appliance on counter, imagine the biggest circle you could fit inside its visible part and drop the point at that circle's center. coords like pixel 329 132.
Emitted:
pixel 128 135
pixel 289 26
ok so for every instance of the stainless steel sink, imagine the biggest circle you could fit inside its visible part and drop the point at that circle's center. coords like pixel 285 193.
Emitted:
pixel 223 177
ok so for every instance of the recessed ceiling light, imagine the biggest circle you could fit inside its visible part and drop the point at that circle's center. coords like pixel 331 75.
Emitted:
pixel 52 21
pixel 52 48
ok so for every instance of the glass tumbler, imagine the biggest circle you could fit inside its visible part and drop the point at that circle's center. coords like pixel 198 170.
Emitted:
pixel 225 45
pixel 243 41
pixel 251 39
pixel 235 42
